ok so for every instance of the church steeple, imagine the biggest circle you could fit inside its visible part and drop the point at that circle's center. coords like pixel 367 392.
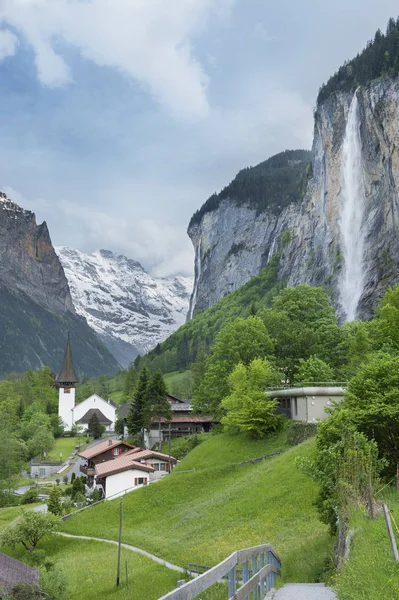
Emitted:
pixel 67 376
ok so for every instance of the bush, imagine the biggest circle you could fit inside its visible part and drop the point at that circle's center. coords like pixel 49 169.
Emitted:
pixel 30 496
pixel 298 432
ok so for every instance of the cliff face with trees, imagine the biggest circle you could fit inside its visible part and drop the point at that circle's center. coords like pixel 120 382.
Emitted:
pixel 235 235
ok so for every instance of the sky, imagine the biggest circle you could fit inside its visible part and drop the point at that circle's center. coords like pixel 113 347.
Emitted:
pixel 119 118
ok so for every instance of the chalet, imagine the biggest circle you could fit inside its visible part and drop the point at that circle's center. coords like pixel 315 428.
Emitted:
pixel 307 404
pixel 13 571
pixel 101 453
pixel 80 414
pixel 183 422
pixel 133 469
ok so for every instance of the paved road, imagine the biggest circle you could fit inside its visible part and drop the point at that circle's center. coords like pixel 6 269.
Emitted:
pixel 303 591
pixel 160 561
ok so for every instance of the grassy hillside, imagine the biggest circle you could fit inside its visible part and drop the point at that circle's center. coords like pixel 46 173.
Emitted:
pixel 202 516
pixel 370 573
pixel 91 568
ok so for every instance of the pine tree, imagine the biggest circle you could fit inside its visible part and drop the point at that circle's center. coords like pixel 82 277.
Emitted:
pixel 94 427
pixel 158 399
pixel 138 413
pixel 130 383
pixel 54 501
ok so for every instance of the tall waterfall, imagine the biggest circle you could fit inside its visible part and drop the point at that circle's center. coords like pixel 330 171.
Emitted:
pixel 271 251
pixel 351 215
pixel 197 274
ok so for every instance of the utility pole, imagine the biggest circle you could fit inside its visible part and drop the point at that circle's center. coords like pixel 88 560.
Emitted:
pixel 118 571
pixel 169 449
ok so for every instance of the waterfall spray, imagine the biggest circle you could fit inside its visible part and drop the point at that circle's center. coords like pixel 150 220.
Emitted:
pixel 351 215
pixel 198 266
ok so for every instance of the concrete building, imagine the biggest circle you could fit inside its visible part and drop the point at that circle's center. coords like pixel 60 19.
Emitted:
pixel 307 404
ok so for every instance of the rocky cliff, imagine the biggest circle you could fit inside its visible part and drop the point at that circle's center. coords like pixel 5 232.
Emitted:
pixel 36 308
pixel 343 233
pixel 130 310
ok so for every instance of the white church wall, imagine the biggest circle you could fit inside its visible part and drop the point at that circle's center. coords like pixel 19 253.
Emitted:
pixel 95 401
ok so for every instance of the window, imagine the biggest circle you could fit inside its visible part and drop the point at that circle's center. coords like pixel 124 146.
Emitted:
pixel 296 406
pixel 141 480
pixel 156 466
pixel 163 467
pixel 116 452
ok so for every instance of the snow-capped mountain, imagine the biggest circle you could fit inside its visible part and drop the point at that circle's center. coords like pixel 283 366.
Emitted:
pixel 129 309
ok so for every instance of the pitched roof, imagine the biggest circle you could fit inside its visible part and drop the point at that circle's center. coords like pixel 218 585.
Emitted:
pixel 126 462
pixel 68 374
pixel 187 419
pixel 13 571
pixel 101 417
pixel 124 409
pixel 103 447
pixel 143 454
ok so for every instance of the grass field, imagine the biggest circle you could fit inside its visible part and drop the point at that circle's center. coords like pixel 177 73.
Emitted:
pixel 91 568
pixel 202 516
pixel 7 515
pixel 370 573
pixel 116 396
pixel 179 384
pixel 66 445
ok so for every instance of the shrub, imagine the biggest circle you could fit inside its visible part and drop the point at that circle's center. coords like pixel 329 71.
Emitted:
pixel 298 432
pixel 30 496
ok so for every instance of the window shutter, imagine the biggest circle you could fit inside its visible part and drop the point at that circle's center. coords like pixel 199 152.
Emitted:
pixel 135 481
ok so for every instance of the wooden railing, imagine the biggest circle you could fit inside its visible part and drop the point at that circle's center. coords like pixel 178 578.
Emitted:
pixel 265 564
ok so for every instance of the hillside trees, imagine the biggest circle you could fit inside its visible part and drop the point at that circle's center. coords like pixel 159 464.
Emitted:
pixel 302 323
pixel 241 340
pixel 247 407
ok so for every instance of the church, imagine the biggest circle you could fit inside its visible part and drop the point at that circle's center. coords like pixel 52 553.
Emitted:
pixel 80 414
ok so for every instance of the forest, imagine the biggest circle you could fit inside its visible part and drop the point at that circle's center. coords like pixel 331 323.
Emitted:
pixel 380 58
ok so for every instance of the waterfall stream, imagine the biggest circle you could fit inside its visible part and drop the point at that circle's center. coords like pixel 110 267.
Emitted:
pixel 197 274
pixel 351 215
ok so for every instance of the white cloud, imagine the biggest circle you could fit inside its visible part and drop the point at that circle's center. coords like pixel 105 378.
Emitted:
pixel 8 43
pixel 261 33
pixel 146 40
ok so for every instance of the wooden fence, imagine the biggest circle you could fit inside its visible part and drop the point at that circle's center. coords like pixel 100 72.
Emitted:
pixel 265 564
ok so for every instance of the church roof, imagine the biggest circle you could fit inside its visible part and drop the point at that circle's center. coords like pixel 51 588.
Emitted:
pixel 101 417
pixel 68 373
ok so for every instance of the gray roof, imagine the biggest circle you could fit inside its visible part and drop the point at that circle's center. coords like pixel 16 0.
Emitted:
pixel 68 374
pixel 124 409
pixel 101 417
pixel 13 571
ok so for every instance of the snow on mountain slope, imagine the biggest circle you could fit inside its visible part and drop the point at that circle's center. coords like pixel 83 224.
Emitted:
pixel 130 310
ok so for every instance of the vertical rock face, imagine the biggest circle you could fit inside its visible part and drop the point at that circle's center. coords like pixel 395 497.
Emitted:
pixel 36 308
pixel 29 263
pixel 237 240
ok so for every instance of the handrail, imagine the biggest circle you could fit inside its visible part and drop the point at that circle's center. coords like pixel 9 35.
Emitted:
pixel 266 565
pixel 308 384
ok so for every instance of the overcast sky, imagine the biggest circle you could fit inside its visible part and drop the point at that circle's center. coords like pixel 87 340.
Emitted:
pixel 119 118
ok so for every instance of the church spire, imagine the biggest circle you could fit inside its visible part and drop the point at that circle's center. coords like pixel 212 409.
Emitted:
pixel 68 373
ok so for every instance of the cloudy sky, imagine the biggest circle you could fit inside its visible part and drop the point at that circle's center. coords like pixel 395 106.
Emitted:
pixel 119 118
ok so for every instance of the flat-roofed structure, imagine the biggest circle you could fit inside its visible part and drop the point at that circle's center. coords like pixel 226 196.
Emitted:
pixel 307 404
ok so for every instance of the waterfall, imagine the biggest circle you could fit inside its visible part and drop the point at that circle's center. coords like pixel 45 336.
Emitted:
pixel 351 215
pixel 271 251
pixel 197 274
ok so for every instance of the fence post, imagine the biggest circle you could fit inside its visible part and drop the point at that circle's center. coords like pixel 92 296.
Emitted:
pixel 245 574
pixel 255 570
pixel 262 581
pixel 269 580
pixel 232 582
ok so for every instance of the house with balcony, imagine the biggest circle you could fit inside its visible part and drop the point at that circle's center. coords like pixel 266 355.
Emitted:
pixel 101 453
pixel 184 422
pixel 133 469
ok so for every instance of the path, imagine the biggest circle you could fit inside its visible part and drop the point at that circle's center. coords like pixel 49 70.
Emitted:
pixel 160 561
pixel 302 591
